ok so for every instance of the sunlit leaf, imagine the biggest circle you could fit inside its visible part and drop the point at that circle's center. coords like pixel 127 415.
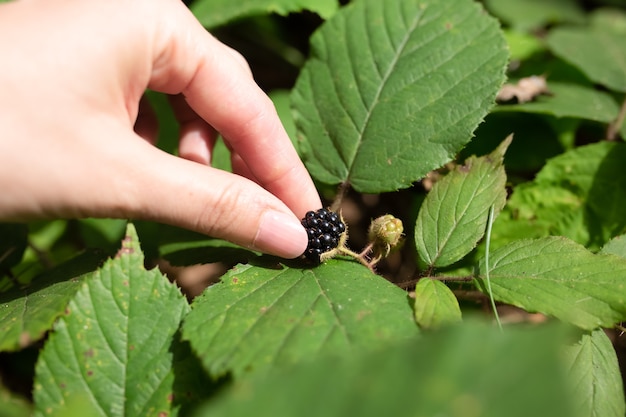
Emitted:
pixel 453 217
pixel 579 194
pixel 393 89
pixel 558 277
pixel 116 345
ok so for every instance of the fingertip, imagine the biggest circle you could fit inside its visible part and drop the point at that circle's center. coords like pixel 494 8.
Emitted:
pixel 281 234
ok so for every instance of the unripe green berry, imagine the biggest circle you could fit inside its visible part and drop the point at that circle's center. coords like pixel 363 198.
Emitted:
pixel 385 234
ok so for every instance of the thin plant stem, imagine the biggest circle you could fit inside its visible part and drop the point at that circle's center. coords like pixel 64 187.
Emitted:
pixel 616 125
pixel 343 189
pixel 487 245
pixel 345 251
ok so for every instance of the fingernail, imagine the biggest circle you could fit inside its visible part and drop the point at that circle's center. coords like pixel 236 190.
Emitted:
pixel 281 234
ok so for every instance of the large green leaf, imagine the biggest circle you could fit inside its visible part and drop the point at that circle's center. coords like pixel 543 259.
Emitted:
pixel 116 344
pixel 525 15
pixel 435 304
pixel 26 314
pixel 558 277
pixel 393 89
pixel 596 51
pixel 260 316
pixel 595 376
pixel 212 13
pixel 467 370
pixel 453 217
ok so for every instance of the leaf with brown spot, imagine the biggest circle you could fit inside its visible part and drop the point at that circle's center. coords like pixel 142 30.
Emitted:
pixel 119 347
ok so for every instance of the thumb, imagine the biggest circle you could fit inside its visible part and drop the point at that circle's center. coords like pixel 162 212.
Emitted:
pixel 176 191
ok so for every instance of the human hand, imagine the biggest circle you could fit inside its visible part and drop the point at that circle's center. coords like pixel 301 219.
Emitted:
pixel 72 77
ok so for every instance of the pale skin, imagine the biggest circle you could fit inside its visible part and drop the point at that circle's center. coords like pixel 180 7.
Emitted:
pixel 74 141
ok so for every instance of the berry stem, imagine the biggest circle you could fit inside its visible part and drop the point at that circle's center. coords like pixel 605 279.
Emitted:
pixel 361 257
pixel 343 189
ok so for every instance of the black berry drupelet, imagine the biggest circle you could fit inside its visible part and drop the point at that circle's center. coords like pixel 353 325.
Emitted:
pixel 324 228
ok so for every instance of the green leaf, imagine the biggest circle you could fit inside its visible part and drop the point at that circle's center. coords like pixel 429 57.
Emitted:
pixel 467 370
pixel 558 277
pixel 570 100
pixel 595 376
pixel 12 405
pixel 613 19
pixel 615 246
pixel 102 233
pixel 26 314
pixel 521 45
pixel 453 217
pixel 526 15
pixel 580 195
pixel 598 52
pixel 213 13
pixel 435 305
pixel 262 316
pixel 394 89
pixel 115 345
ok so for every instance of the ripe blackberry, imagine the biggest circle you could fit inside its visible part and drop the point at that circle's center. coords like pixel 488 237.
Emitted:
pixel 324 228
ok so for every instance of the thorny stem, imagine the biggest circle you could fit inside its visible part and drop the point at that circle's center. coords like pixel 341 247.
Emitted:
pixel 614 127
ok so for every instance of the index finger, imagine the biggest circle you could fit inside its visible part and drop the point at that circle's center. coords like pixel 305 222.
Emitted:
pixel 219 87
